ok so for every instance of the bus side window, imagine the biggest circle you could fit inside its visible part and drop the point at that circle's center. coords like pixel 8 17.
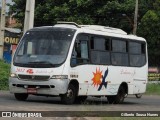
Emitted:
pixel 137 54
pixel 100 47
pixel 74 57
pixel 84 49
pixel 80 51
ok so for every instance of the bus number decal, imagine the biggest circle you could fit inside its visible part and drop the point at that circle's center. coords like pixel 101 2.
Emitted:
pixel 20 70
pixel 74 76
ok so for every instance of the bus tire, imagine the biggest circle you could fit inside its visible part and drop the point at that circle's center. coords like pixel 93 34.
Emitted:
pixel 70 96
pixel 138 95
pixel 119 98
pixel 111 99
pixel 21 96
pixel 80 99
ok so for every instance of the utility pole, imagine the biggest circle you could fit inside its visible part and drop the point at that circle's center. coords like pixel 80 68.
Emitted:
pixel 29 15
pixel 2 27
pixel 135 18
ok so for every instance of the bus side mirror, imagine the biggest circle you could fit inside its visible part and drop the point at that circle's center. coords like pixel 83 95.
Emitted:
pixel 11 52
pixel 73 62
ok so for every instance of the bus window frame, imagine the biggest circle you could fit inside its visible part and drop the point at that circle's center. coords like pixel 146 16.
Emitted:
pixel 77 64
pixel 142 43
pixel 110 38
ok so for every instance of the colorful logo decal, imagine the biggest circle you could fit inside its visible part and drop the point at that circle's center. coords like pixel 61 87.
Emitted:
pixel 30 71
pixel 99 79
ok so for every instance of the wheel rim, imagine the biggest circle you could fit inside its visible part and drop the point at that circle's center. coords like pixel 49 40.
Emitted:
pixel 121 96
pixel 70 93
pixel 138 95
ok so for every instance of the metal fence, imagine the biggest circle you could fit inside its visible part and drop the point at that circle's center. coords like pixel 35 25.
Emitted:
pixel 154 76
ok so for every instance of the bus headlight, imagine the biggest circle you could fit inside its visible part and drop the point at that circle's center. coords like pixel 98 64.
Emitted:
pixel 59 77
pixel 13 75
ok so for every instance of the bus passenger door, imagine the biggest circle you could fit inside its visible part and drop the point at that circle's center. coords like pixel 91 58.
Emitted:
pixel 79 63
pixel 92 76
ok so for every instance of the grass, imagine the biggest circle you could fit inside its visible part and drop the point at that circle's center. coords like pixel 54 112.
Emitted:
pixel 4 75
pixel 153 89
pixel 130 118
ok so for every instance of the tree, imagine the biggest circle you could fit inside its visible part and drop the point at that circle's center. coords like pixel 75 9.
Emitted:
pixel 18 10
pixel 102 12
pixel 113 13
pixel 149 29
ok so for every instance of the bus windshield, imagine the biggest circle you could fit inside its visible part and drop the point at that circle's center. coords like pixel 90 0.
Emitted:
pixel 43 48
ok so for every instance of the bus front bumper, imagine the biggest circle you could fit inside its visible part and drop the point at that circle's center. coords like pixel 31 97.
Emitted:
pixel 50 87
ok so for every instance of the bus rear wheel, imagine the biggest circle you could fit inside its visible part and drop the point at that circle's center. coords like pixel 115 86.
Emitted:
pixel 21 96
pixel 138 95
pixel 119 98
pixel 70 96
pixel 80 99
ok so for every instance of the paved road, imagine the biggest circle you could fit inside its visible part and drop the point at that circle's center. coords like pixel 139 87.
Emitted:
pixel 38 103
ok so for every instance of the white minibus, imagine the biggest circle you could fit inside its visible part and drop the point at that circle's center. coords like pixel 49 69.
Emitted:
pixel 75 61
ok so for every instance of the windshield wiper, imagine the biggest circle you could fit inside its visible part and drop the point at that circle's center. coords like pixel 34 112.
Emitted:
pixel 42 62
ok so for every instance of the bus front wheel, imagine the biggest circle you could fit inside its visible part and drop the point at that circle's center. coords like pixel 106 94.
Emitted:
pixel 70 96
pixel 21 96
pixel 119 98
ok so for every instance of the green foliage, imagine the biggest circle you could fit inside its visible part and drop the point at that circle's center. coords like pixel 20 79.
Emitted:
pixel 102 12
pixel 130 118
pixel 114 13
pixel 153 89
pixel 4 75
pixel 149 29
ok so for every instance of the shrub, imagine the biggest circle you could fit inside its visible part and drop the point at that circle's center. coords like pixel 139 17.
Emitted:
pixel 4 75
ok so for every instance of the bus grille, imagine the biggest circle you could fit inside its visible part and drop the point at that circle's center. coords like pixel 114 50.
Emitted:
pixel 33 77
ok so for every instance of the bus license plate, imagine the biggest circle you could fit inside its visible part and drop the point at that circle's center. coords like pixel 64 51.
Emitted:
pixel 32 90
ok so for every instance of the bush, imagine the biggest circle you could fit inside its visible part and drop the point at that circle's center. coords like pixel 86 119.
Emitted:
pixel 153 89
pixel 4 75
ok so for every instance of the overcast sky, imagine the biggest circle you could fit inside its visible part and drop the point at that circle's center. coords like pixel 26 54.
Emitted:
pixel 7 1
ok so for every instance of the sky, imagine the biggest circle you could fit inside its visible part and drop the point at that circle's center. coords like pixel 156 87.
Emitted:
pixel 7 1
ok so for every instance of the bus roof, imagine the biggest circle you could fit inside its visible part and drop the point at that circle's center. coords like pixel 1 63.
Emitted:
pixel 99 30
pixel 93 29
